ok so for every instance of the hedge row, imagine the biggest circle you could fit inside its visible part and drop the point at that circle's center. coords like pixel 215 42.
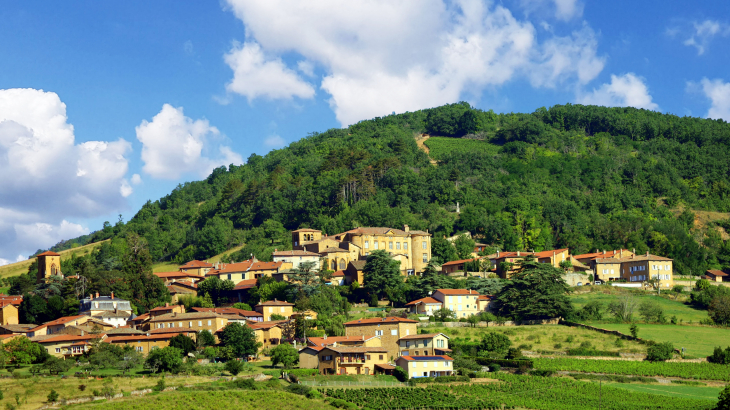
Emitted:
pixel 441 379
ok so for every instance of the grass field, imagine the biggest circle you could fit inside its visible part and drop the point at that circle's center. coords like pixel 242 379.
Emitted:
pixel 671 307
pixel 439 147
pixel 698 340
pixel 544 337
pixel 17 268
pixel 687 392
pixel 214 400
pixel 32 392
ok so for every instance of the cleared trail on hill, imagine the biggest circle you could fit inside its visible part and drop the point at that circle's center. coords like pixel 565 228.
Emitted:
pixel 420 142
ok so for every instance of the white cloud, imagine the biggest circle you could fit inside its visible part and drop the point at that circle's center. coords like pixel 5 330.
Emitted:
pixel 45 177
pixel 699 34
pixel 255 76
pixel 125 189
pixel 377 59
pixel 274 141
pixel 718 92
pixel 136 179
pixel 173 145
pixel 560 9
pixel 625 90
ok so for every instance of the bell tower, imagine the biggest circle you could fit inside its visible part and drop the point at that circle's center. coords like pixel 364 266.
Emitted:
pixel 49 264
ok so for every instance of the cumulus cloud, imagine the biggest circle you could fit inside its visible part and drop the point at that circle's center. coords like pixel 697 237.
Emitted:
pixel 136 179
pixel 718 92
pixel 46 178
pixel 699 34
pixel 625 90
pixel 173 145
pixel 377 60
pixel 560 9
pixel 256 76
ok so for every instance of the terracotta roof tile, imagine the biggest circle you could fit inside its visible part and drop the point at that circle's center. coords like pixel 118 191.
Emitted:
pixel 48 253
pixel 294 253
pixel 355 349
pixel 717 272
pixel 427 300
pixel 245 284
pixel 457 291
pixel 196 264
pixel 460 262
pixel 229 311
pixel 322 341
pixel 422 336
pixel 426 358
pixel 275 303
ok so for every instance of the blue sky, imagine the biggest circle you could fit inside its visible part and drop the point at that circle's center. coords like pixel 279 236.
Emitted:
pixel 105 105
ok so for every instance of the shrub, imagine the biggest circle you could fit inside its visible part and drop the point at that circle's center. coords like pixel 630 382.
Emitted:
pixel 719 356
pixel 298 389
pixel 634 330
pixel 724 399
pixel 160 386
pixel 246 384
pixel 341 404
pixel 513 354
pixel 619 343
pixel 303 372
pixel 495 342
pixel 234 366
pixel 494 367
pixel 660 352
pixel 314 394
pixel 82 387
pixel 52 396
pixel 400 374
pixel 542 373
pixel 558 346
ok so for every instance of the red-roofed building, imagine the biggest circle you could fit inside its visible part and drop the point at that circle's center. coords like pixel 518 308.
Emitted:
pixel 14 300
pixel 426 366
pixel 167 309
pixel 275 307
pixel 69 345
pixel 8 313
pixel 198 268
pixel 424 306
pixel 456 266
pixel 462 302
pixel 390 329
pixel 146 342
pixel 292 259
pixel 247 314
pixel 717 275
pixel 250 269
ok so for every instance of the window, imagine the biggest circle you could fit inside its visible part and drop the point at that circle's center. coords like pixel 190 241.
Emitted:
pixel 181 325
pixel 390 245
pixel 342 264
pixel 271 310
pixel 375 245
pixel 334 264
pixel 414 364
pixel 367 244
pixel 229 276
pixel 397 245
pixel 425 258
pixel 209 323
pixel 140 349
pixel 424 245
pixel 408 344
pixel 394 332
pixel 405 245
pixel 451 299
pixel 381 357
pixel 436 364
pixel 458 299
pixel 328 358
pixel 425 364
pixel 378 333
pixel 200 323
pixel 58 350
pixel 190 324
pixel 408 332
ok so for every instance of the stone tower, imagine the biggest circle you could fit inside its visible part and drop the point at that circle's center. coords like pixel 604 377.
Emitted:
pixel 49 264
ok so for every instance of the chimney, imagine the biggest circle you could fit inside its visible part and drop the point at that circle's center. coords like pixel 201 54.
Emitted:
pixel 604 251
pixel 82 333
pixel 112 295
pixel 325 336
pixel 497 253
pixel 596 250
pixel 97 295
pixel 647 253
pixel 167 304
pixel 633 250
pixel 518 253
pixel 406 228
pixel 91 296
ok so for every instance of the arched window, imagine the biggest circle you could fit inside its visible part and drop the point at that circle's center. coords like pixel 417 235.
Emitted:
pixel 334 264
pixel 342 264
pixel 54 270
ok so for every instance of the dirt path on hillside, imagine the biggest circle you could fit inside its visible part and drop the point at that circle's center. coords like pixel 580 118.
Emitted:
pixel 420 142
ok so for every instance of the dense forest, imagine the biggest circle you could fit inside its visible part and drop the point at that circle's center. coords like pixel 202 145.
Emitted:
pixel 582 177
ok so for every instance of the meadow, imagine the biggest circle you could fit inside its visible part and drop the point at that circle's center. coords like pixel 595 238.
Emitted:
pixel 699 341
pixel 440 147
pixel 671 307
pixel 18 268
pixel 544 337
pixel 673 390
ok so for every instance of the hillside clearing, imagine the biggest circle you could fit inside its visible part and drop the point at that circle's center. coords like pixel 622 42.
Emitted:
pixel 441 147
pixel 699 341
pixel 17 268
pixel 671 307
pixel 687 392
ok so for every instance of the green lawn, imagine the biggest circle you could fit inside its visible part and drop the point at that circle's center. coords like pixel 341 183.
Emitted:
pixel 671 307
pixel 699 341
pixel 672 390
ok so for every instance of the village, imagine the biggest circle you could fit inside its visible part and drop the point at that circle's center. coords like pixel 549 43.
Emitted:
pixel 369 346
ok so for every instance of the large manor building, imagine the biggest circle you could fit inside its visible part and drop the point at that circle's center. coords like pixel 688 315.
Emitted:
pixel 411 248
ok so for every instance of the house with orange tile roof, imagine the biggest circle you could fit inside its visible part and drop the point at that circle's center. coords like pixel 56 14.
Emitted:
pixel 343 360
pixel 272 307
pixel 246 270
pixel 424 306
pixel 456 266
pixel 145 343
pixel 69 345
pixel 462 302
pixel 54 326
pixel 14 300
pixel 141 322
pixel 292 259
pixel 426 366
pixel 427 344
pixel 389 329
pixel 166 309
pixel 198 268
pixel 249 315
pixel 8 313
pixel 189 322
pixel 716 275
pixel 337 279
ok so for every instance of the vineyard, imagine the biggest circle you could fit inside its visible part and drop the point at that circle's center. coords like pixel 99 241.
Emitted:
pixel 540 393
pixel 699 371
pixel 440 147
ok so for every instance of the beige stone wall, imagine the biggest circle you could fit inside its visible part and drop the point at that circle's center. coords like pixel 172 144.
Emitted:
pixel 389 333
pixel 145 345
pixel 46 266
pixel 608 271
pixel 423 347
pixel 267 311
pixel 308 359
pixel 197 324
pixel 9 315
pixel 462 305
pixel 650 269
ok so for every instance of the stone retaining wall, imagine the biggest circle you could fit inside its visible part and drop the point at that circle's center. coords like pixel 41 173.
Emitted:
pixel 553 321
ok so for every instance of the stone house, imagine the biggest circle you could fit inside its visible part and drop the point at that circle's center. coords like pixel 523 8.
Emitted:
pixel 426 366
pixel 390 330
pixel 344 360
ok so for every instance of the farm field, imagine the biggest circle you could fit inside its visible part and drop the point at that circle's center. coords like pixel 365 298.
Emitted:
pixel 670 307
pixel 539 393
pixel 543 337
pixel 699 341
pixel 688 392
pixel 213 400
pixel 17 268
pixel 684 370
pixel 439 147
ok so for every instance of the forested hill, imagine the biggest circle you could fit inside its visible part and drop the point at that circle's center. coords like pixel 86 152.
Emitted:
pixel 582 177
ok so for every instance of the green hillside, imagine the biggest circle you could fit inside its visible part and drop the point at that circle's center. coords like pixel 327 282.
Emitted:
pixel 582 177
